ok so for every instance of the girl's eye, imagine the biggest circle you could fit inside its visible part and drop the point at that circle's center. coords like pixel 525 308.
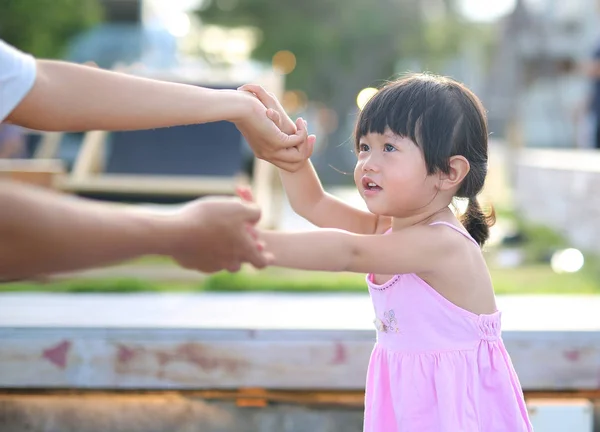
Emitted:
pixel 363 147
pixel 389 148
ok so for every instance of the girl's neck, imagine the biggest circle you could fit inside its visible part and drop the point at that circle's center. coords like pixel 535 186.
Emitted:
pixel 422 218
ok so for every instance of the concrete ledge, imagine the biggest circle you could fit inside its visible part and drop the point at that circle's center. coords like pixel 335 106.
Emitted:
pixel 231 341
pixel 273 359
pixel 579 160
pixel 559 188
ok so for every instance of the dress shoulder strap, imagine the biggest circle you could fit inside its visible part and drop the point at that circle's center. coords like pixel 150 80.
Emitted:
pixel 448 224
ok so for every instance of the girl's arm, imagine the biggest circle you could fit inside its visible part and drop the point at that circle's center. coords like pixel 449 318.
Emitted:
pixel 304 189
pixel 308 198
pixel 413 250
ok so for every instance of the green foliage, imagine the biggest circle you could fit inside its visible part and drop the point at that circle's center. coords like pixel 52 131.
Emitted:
pixel 85 286
pixel 282 282
pixel 341 46
pixel 43 27
pixel 529 279
pixel 540 279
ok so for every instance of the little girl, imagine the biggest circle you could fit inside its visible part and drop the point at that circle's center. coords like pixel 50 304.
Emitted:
pixel 439 363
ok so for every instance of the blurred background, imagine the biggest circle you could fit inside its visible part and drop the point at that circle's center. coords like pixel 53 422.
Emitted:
pixel 534 63
pixel 530 61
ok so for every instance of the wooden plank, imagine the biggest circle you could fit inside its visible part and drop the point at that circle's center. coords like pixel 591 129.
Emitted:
pixel 152 185
pixel 49 145
pixel 88 161
pixel 39 172
pixel 54 166
pixel 310 397
pixel 268 193
pixel 272 359
pixel 132 412
pixel 177 359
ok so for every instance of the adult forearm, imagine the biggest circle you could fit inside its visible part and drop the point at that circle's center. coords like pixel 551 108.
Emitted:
pixel 42 233
pixel 70 97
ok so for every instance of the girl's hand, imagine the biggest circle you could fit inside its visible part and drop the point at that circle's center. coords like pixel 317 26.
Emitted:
pixel 245 193
pixel 275 110
pixel 268 142
pixel 277 114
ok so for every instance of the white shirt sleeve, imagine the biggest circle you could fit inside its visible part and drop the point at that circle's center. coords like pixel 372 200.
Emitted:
pixel 17 75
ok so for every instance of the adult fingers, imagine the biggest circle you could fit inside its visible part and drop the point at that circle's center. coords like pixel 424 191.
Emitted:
pixel 251 213
pixel 274 116
pixel 293 156
pixel 253 252
pixel 234 267
pixel 264 96
pixel 287 166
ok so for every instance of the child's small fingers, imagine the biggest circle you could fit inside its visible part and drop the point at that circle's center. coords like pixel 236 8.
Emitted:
pixel 274 116
pixel 311 145
pixel 249 194
pixel 252 231
pixel 269 257
pixel 240 191
pixel 245 193
pixel 301 125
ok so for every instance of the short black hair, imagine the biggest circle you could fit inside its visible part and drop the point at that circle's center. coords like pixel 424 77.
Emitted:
pixel 443 118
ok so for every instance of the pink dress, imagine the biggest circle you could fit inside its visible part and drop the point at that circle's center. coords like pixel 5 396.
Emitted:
pixel 437 367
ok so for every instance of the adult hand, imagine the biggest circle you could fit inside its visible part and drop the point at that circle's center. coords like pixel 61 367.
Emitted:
pixel 286 149
pixel 217 233
pixel 275 110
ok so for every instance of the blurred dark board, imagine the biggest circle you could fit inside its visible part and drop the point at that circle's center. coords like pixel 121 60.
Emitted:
pixel 32 142
pixel 211 149
pixel 134 198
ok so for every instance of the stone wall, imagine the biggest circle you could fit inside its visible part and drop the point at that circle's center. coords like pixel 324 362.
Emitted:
pixel 561 189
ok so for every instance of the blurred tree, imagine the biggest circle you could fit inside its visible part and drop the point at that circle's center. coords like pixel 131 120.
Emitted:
pixel 342 46
pixel 43 27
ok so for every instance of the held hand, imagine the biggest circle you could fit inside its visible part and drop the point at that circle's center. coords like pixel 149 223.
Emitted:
pixel 216 234
pixel 292 158
pixel 245 193
pixel 275 110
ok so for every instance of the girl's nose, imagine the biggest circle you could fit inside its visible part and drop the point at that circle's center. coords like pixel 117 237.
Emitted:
pixel 371 164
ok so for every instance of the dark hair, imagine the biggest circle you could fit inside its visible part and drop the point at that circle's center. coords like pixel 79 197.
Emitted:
pixel 444 118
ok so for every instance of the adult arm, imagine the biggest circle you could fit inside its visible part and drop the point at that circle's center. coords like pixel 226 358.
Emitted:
pixel 60 96
pixel 43 232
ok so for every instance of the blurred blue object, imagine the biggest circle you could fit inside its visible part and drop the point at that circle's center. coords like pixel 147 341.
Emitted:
pixel 112 43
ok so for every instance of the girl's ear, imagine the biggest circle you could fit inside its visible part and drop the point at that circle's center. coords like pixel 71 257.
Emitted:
pixel 459 168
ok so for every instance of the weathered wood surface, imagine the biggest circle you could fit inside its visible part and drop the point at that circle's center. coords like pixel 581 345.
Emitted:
pixel 165 413
pixel 171 359
pixel 288 342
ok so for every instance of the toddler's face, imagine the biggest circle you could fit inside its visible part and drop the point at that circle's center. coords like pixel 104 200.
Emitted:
pixel 391 175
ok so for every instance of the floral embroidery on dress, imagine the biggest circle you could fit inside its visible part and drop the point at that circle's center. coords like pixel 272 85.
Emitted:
pixel 388 324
